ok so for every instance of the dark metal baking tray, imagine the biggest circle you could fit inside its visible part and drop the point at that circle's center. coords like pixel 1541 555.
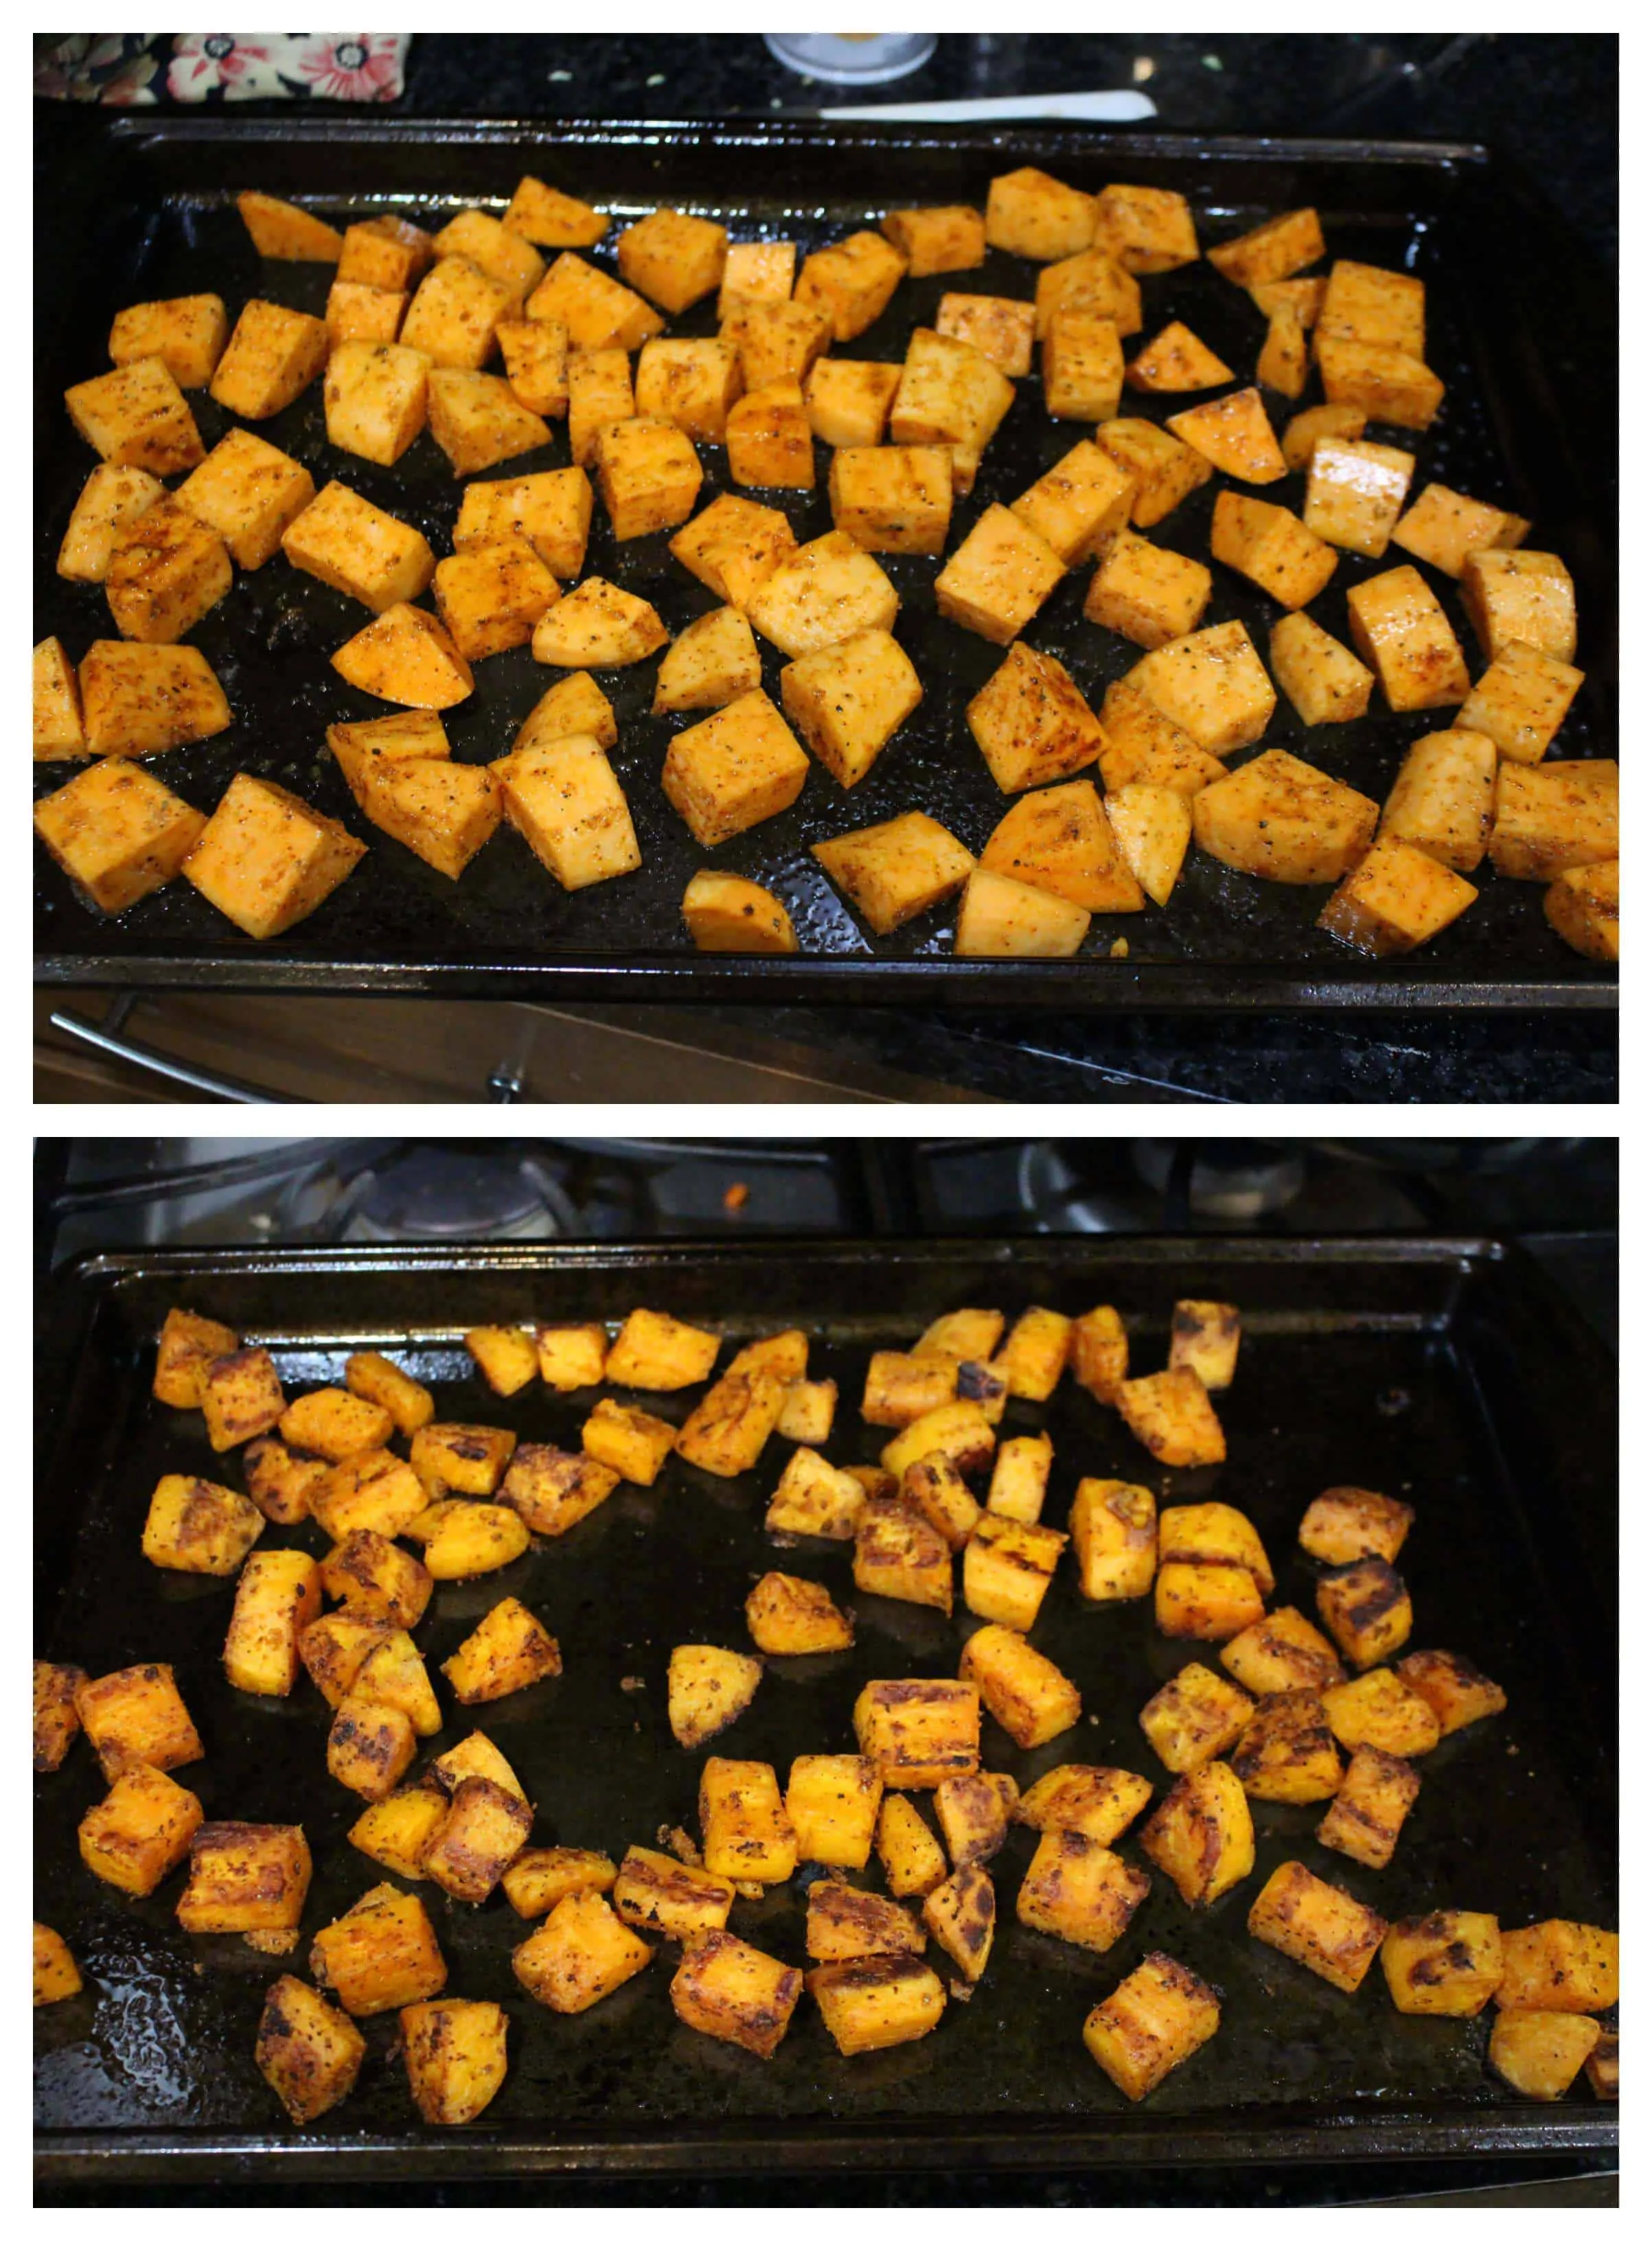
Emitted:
pixel 1448 1370
pixel 144 206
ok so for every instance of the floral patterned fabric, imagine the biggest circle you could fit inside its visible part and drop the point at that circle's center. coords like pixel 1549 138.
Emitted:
pixel 127 68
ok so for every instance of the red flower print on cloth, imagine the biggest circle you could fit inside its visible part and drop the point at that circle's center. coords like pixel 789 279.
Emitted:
pixel 352 65
pixel 203 61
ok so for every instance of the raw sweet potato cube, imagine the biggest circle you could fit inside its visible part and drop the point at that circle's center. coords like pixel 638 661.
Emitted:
pixel 538 1880
pixel 137 417
pixel 1079 1891
pixel 134 1837
pixel 1367 1610
pixel 813 1497
pixel 1147 229
pixel 1520 599
pixel 999 577
pixel 1032 1699
pixel 777 341
pixel 1165 470
pixel 356 314
pixel 756 272
pixel 1272 251
pixel 277 1594
pixel 1170 1414
pixel 767 435
pixel 1093 282
pixel 1539 2054
pixel 117 832
pixel 917 1733
pixel 1369 304
pixel 724 913
pixel 1150 2024
pixel 453 2052
pixel 581 1954
pixel 248 493
pixel 599 313
pixel 1369 1809
pixel 789 1617
pixel 648 474
pixel 1031 722
pixel 1282 364
pixel 1305 298
pixel 1030 214
pixel 893 497
pixel 166 570
pixel 733 769
pixel 1083 366
pixel 1287 1755
pixel 373 1578
pixel 455 314
pixel 283 230
pixel 851 281
pixel 734 546
pixel 1212 686
pixel 358 549
pixel 1195 1717
pixel 730 1990
pixel 1279 819
pixel 951 395
pixel 267 859
pixel 553 219
pixel 478 421
pixel 307 2053
pixel 1141 746
pixel 241 1397
pixel 1202 1836
pixel 1522 701
pixel 1176 360
pixel 496 250
pixel 672 258
pixel 1115 1539
pixel 949 239
pixel 1444 797
pixel 848 400
pixel 690 384
pixel 628 1441
pixel 1561 1968
pixel 270 359
pixel 246 1875
pixel 600 391
pixel 377 397
pixel 385 253
pixel 1383 383
pixel 1321 679
pixel 848 700
pixel 895 871
pixel 1553 817
pixel 1234 434
pixel 1318 1924
pixel 1348 1523
pixel 598 626
pixel 826 590
pixel 1270 545
pixel 1455 1692
pixel 1147 594
pixel 490 595
pixel 186 333
pixel 536 364
pixel 1080 505
pixel 1355 493
pixel 1060 841
pixel 1000 327
pixel 900 1554
pixel 113 496
pixel 576 708
pixel 1444 528
pixel 1447 1963
pixel 1395 898
pixel 713 661
pixel 1305 431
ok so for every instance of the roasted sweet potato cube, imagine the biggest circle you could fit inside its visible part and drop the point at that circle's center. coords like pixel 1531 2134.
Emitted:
pixel 1101 1353
pixel 537 1881
pixel 138 1835
pixel 509 1650
pixel 1000 327
pixel 756 272
pixel 1030 214
pixel 813 1497
pixel 167 570
pixel 1553 818
pixel 571 1355
pixel 1280 818
pixel 1194 1718
pixel 381 1954
pixel 1348 1523
pixel 790 1617
pixel 1079 1891
pixel 1288 1753
pixel 1520 599
pixel 1447 1963
pixel 370 1747
pixel 1394 899
pixel 1318 1924
pixel 1540 2054
pixel 916 1733
pixel 1204 1337
pixel 406 656
pixel 784 1354
pixel 707 1690
pixel 1561 1968
pixel 961 1429
pixel 246 1875
pixel 475 1757
pixel 195 1526
pixel 138 416
pixel 1008 1568
pixel 335 1423
pixel 999 578
pixel 551 1491
pixel 335 1648
pixel 117 832
pixel 1367 1610
pixel 1150 2024
pixel 974 1812
pixel 1272 251
pixel 392 1673
pixel 473 1538
pixel 56 1975
pixel 462 1458
pixel 1369 1809
pixel 1282 364
pixel 1098 1802
pixel 628 1441
pixel 491 596
pixel 933 1486
pixel 486 1828
pixel 1078 506
pixel 56 1721
pixel 248 493
pixel 1213 1533
pixel 743 1824
pixel 453 2052
pixel 1234 434
pixel 455 314
pixel 552 511
pixel 1032 1699
pixel 1378 1709
pixel 270 360
pixel 898 1553
pixel 112 497
pixel 877 2000
pixel 811 1405
pixel 278 1596
pixel 730 1990
pixel 851 281
pixel 581 1954
pixel 1031 722
pixel 506 1355
pixel 1281 1652
pixel 1270 545
pixel 371 1493
pixel 385 253
pixel 654 1891
pixel 307 2053
pixel 1115 1539
pixel 657 1354
pixel 1520 702
pixel 831 1803
pixel 1457 1692
pixel 728 1430
pixel 913 1861
pixel 1147 594
pixel 1202 1835
pixel 1020 1478
pixel 1171 1415
pixel 398 1830
pixel 553 219
pixel 1204 1602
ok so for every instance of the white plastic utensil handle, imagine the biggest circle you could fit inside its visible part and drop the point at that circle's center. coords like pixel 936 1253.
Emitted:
pixel 1110 108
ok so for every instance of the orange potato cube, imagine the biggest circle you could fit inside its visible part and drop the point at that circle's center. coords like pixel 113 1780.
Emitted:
pixel 453 2052
pixel 1115 1539
pixel 579 1955
pixel 1030 214
pixel 730 1990
pixel 381 1954
pixel 1147 594
pixel 893 497
pixel 1235 433
pixel 248 493
pixel 1080 505
pixel 1395 898
pixel 1369 1809
pixel 476 419
pixel 756 272
pixel 246 1875
pixel 554 220
pixel 385 253
pixel 1270 545
pixel 917 1733
pixel 137 416
pixel 1078 1891
pixel 1539 2054
pixel 1171 1415
pixel 851 283
pixel 1031 722
pixel 1147 229
pixel 241 1397
pixel 599 313
pixel 1280 818
pixel 999 578
pixel 848 400
pixel 1318 1924
pixel 1000 327
pixel 1559 1968
pixel 1282 364
pixel 1324 683
pixel 1444 528
pixel 1202 1836
pixel 733 769
pixel 692 384
pixel 1383 383
pixel 1158 2016
pixel 270 360
pixel 1100 1355
pixel 1518 599
pixel 1446 1963
pixel 1553 818
pixel 1288 1753
pixel 1272 251
pixel 672 258
pixel 1032 1700
pixel 1304 431
pixel 117 832
pixel 1348 1523
pixel 649 475
pixel 769 441
pixel 167 570
pixel 283 230
pixel 307 2053
pixel 599 393
pixel 953 239
pixel 1367 1610
pixel 137 1834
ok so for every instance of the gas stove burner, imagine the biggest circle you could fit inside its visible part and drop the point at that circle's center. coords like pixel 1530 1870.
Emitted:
pixel 434 1193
